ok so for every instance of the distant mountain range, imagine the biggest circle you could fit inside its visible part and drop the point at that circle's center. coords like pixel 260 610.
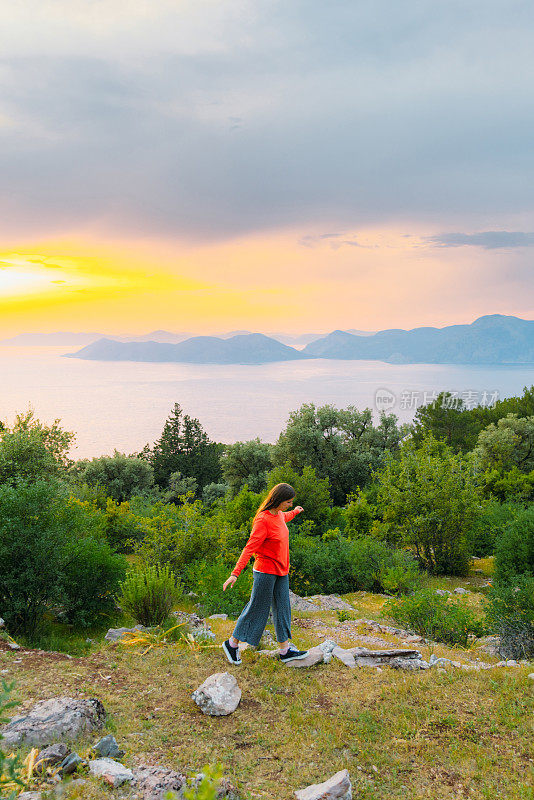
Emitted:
pixel 492 339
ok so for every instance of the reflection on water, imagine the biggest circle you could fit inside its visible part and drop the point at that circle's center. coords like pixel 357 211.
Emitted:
pixel 124 405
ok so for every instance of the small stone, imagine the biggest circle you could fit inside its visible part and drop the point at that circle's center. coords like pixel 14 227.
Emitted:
pixel 218 616
pixel 338 787
pixel 50 756
pixel 442 592
pixel 13 645
pixel 328 646
pixel 441 671
pixel 300 603
pixel 460 590
pixel 70 764
pixel 2 623
pixel 512 663
pixel 219 695
pixel 107 747
pixel 29 796
pixel 531 676
pixel 113 772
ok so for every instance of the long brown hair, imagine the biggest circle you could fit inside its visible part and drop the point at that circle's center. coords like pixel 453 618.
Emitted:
pixel 277 495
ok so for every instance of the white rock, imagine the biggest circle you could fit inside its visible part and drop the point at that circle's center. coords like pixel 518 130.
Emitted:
pixel 338 787
pixel 346 656
pixel 218 616
pixel 442 592
pixel 328 646
pixel 460 590
pixel 2 623
pixel 114 773
pixel 219 695
pixel 531 676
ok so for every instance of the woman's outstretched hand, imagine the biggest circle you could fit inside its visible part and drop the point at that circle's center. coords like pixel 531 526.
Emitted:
pixel 299 509
pixel 229 582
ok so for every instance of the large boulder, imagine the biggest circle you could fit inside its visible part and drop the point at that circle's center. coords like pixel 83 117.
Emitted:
pixel 56 720
pixel 338 787
pixel 219 695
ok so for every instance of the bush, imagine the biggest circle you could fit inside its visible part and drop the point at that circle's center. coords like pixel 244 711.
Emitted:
pixel 514 554
pixel 510 613
pixel 91 576
pixel 377 567
pixel 434 617
pixel 52 557
pixel 336 565
pixel 489 527
pixel 320 566
pixel 149 594
pixel 206 580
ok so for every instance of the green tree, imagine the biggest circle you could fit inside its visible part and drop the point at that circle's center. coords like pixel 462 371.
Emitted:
pixel 247 463
pixel 342 445
pixel 447 418
pixel 186 448
pixel 31 450
pixel 507 444
pixel 179 488
pixel 120 475
pixel 514 554
pixel 430 497
pixel 312 492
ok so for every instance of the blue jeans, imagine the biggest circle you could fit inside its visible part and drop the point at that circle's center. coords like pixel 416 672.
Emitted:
pixel 267 590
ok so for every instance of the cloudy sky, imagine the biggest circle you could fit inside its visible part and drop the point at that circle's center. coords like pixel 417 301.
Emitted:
pixel 208 165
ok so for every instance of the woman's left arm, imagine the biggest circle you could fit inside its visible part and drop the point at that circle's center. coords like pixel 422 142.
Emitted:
pixel 289 515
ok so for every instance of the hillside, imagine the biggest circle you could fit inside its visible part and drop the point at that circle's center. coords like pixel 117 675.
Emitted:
pixel 442 733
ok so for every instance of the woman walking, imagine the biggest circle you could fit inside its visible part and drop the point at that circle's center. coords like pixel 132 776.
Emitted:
pixel 269 543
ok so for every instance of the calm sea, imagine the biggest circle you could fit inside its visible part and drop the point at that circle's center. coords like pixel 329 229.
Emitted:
pixel 124 405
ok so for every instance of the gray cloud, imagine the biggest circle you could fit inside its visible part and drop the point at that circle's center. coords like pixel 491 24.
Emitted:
pixel 208 121
pixel 489 240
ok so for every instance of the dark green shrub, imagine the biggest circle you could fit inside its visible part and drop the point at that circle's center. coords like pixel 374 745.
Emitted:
pixel 52 557
pixel 149 594
pixel 206 580
pixel 442 619
pixel 334 564
pixel 514 554
pixel 489 527
pixel 510 613
pixel 119 475
pixel 32 553
pixel 91 576
pixel 320 566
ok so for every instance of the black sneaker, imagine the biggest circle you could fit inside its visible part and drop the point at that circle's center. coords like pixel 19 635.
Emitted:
pixel 231 653
pixel 293 655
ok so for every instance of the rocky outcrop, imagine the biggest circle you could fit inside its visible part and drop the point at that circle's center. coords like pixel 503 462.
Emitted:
pixel 55 720
pixel 219 695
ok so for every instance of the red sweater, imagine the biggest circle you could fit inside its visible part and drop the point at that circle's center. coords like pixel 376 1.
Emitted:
pixel 269 543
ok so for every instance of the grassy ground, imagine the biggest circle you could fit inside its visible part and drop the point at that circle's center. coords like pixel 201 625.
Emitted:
pixel 433 735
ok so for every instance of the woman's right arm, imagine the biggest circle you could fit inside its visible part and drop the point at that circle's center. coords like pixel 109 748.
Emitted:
pixel 256 538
